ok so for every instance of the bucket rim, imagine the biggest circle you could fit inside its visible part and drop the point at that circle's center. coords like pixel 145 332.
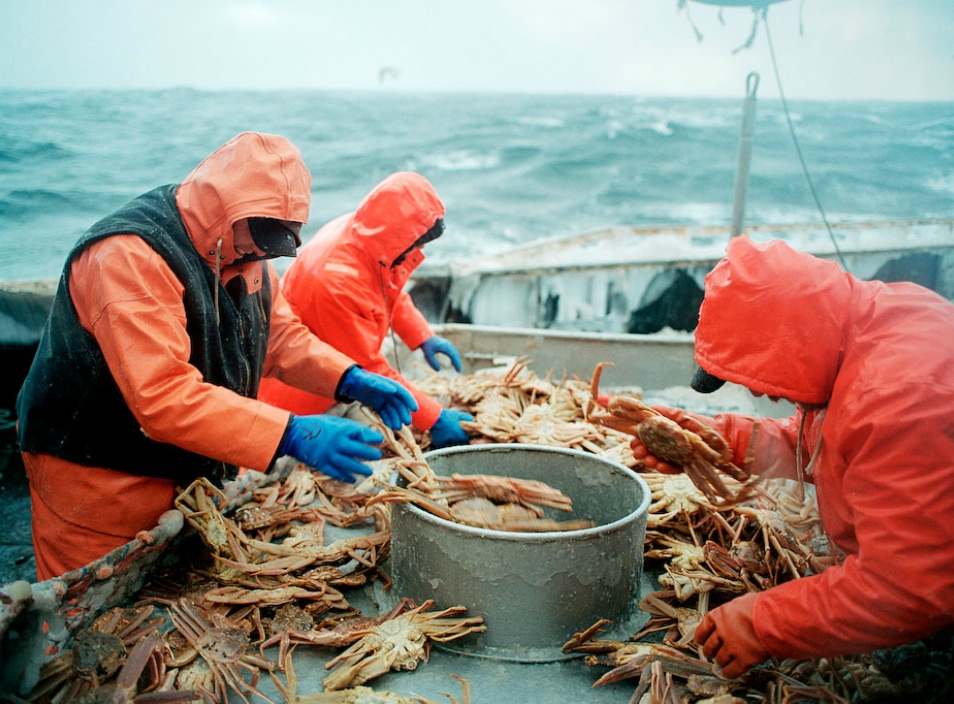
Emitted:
pixel 541 536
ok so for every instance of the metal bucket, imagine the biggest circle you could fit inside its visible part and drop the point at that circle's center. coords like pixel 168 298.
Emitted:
pixel 534 590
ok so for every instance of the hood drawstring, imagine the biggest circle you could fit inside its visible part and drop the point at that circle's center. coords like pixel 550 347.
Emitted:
pixel 806 470
pixel 218 278
pixel 801 470
pixel 387 310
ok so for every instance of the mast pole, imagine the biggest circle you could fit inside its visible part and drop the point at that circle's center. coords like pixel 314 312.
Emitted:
pixel 745 153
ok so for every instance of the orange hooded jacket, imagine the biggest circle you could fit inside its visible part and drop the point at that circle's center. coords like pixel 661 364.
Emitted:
pixel 128 298
pixel 877 359
pixel 343 286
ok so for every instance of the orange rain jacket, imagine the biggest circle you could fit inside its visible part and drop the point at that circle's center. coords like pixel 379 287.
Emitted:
pixel 343 286
pixel 877 359
pixel 128 298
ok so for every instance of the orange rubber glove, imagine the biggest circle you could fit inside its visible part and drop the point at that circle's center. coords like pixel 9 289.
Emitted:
pixel 727 635
pixel 685 419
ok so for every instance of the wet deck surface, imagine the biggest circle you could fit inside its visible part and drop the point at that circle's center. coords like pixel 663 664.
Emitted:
pixel 491 680
pixel 16 545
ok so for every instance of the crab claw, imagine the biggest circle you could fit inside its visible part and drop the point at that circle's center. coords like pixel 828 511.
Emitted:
pixel 602 399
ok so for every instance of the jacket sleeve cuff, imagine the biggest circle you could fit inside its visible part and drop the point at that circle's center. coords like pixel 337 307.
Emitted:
pixel 340 397
pixel 281 443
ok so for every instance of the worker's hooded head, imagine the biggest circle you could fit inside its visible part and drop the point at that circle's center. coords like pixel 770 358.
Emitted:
pixel 401 214
pixel 773 320
pixel 257 176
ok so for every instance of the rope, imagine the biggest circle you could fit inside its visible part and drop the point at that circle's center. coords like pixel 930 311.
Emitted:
pixel 218 279
pixel 798 149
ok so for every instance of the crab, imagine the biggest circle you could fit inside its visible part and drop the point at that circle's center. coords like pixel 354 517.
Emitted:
pixel 629 658
pixel 294 556
pixel 487 501
pixel 145 657
pixel 484 513
pixel 673 495
pixel 224 646
pixel 541 424
pixel 679 621
pixel 681 554
pixel 526 492
pixel 278 594
pixel 399 643
pixel 293 626
pixel 701 452
pixel 744 560
pixel 299 488
pixel 97 654
pixel 257 517
pixel 783 551
pixel 354 695
pixel 200 504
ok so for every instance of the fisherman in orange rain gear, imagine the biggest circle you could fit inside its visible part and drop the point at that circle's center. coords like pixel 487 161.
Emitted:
pixel 870 368
pixel 166 318
pixel 347 286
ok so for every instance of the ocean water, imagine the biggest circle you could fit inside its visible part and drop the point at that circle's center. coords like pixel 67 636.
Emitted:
pixel 510 168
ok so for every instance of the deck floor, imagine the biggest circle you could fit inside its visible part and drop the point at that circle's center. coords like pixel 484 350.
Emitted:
pixel 491 680
pixel 16 544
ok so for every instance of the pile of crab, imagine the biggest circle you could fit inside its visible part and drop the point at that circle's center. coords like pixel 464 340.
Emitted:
pixel 270 577
pixel 265 579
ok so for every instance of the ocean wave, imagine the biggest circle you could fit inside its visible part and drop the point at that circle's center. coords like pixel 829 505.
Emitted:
pixel 461 160
pixel 24 204
pixel 23 151
pixel 510 168
pixel 551 122
pixel 942 183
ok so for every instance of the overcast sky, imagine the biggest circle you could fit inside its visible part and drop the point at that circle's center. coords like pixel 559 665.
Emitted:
pixel 826 49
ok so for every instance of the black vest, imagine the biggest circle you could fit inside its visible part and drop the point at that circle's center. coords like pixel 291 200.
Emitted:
pixel 70 406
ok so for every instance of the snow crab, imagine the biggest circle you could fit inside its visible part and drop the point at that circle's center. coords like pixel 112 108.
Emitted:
pixel 224 646
pixel 354 695
pixel 295 555
pixel 701 452
pixel 487 501
pixel 630 659
pixel 201 503
pixel 142 678
pixel 98 653
pixel 399 643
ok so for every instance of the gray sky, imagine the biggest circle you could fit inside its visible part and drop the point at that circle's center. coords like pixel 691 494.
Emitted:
pixel 826 49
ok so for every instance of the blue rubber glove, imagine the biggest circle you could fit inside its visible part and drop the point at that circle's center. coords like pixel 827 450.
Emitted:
pixel 332 445
pixel 433 346
pixel 384 396
pixel 447 431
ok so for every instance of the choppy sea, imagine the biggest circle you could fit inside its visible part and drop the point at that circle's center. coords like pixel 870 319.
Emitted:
pixel 510 168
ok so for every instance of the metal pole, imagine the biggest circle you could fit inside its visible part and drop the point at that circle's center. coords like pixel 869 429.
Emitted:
pixel 745 153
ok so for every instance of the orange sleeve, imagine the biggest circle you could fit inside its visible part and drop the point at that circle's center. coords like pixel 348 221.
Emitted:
pixel 773 451
pixel 131 302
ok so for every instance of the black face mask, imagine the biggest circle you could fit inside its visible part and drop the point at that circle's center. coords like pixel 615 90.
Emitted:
pixel 437 229
pixel 274 238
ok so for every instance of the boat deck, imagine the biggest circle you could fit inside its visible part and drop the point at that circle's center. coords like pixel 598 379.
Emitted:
pixel 491 680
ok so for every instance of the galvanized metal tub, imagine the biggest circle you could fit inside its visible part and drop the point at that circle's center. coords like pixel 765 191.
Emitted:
pixel 534 590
